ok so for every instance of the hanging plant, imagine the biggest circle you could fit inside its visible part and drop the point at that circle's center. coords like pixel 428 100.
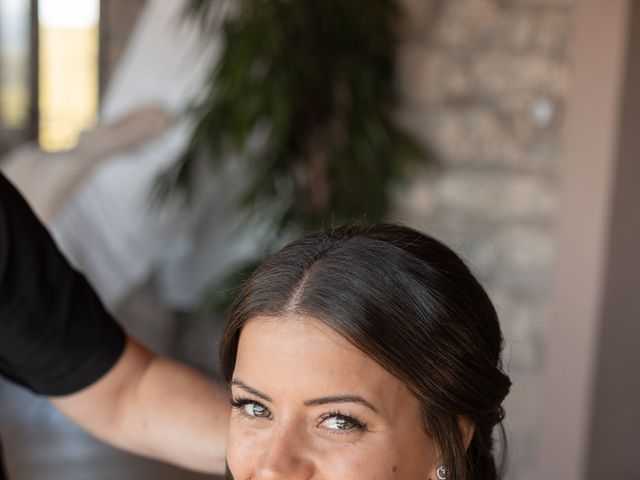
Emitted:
pixel 302 94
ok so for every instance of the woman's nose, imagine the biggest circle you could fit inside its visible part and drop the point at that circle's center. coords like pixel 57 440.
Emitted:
pixel 284 457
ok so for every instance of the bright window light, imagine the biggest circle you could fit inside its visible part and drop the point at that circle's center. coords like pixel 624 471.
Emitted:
pixel 68 13
pixel 68 84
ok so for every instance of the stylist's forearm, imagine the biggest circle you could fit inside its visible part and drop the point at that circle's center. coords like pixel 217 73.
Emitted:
pixel 155 407
pixel 180 416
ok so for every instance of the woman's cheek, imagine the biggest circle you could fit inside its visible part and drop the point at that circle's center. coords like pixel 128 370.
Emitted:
pixel 355 461
pixel 244 446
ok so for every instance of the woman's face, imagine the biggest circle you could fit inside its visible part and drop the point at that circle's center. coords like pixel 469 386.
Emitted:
pixel 309 405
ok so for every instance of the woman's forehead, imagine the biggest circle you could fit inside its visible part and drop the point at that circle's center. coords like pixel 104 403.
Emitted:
pixel 300 356
pixel 297 338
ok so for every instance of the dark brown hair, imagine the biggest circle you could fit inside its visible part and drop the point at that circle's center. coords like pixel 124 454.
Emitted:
pixel 411 304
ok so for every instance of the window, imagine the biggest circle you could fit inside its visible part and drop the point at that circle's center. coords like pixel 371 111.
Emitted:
pixel 68 86
pixel 48 70
pixel 18 47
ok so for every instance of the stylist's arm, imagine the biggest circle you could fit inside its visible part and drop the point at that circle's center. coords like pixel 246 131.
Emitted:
pixel 155 407
pixel 58 340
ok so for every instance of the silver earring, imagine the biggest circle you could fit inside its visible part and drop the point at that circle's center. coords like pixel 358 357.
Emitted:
pixel 442 472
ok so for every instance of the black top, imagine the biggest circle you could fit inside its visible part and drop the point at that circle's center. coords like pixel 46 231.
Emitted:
pixel 55 335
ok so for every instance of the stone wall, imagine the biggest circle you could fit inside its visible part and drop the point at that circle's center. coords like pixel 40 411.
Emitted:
pixel 483 84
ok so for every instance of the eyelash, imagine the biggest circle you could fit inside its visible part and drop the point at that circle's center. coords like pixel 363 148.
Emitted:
pixel 238 403
pixel 357 424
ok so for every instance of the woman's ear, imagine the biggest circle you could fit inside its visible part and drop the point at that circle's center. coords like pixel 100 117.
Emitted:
pixel 467 428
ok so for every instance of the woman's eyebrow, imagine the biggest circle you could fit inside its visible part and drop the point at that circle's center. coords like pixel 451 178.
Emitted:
pixel 340 399
pixel 309 403
pixel 251 390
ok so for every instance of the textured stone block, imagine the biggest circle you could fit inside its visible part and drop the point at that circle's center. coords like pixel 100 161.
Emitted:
pixel 516 132
pixel 531 113
pixel 539 3
pixel 497 74
pixel 516 259
pixel 467 23
pixel 551 35
pixel 489 25
pixel 517 30
pixel 472 135
pixel 496 197
pixel 471 200
pixel 431 75
pixel 524 323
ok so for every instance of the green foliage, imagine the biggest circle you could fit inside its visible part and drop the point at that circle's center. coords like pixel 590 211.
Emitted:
pixel 303 94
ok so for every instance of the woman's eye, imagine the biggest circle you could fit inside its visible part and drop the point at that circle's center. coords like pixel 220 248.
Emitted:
pixel 250 408
pixel 256 410
pixel 342 423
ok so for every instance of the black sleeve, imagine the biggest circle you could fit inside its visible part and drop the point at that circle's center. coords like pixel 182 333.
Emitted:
pixel 55 335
